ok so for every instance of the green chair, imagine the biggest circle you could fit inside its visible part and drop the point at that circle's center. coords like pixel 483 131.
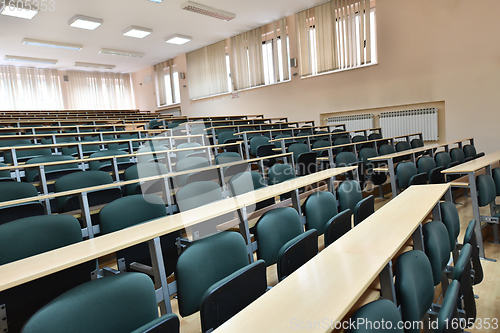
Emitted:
pixel 77 180
pixel 349 194
pixel 345 158
pixel 281 136
pixel 279 173
pixel 342 141
pixel 155 124
pixel 183 154
pixel 147 154
pixel 375 136
pixel 26 154
pixel 257 141
pixel 90 149
pixel 437 249
pixel 132 210
pixel 470 151
pixel 339 130
pixel 51 171
pixel 470 238
pixel 449 310
pixel 457 155
pixel 120 303
pixel 189 163
pixel 426 164
pixel 462 273
pixel 402 146
pixel 487 193
pixel 5 174
pixel 363 209
pixel 229 157
pixel 451 220
pixel 213 276
pixel 249 181
pixel 377 178
pixel 405 171
pixel 107 165
pixel 223 136
pixel 297 149
pixel 281 240
pixel 320 144
pixel 68 151
pixel 337 226
pixel 359 138
pixel 443 159
pixel 28 237
pixel 318 209
pixel 416 143
pixel 380 311
pixel 386 149
pixel 125 146
pixel 143 170
pixel 13 191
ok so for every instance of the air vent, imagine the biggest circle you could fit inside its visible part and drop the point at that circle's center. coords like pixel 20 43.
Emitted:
pixel 208 11
pixel 122 53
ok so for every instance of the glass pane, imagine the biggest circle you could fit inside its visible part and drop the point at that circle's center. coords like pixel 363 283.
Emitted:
pixel 177 89
pixel 168 88
pixel 228 69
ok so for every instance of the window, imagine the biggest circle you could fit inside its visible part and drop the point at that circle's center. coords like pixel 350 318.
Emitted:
pixel 228 70
pixel 333 38
pixel 259 56
pixel 167 84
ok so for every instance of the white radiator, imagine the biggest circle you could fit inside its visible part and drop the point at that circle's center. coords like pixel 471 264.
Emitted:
pixel 409 122
pixel 354 122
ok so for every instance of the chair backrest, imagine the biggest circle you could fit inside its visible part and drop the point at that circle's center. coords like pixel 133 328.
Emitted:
pixel 320 144
pixel 244 182
pixel 486 189
pixel 470 238
pixel 374 136
pixel 443 159
pixel 78 180
pixel 457 155
pixel 15 190
pixel 279 173
pixel 345 158
pixel 96 165
pixel 337 226
pixel 417 143
pixel 366 153
pixel 448 313
pixel 4 174
pixel 142 170
pixel 418 179
pixel 386 149
pixel 380 311
pixel 128 299
pixel 307 163
pixel 227 157
pixel 32 174
pixel 189 163
pixel 462 273
pixel 436 176
pixel 414 286
pixel 496 177
pixel 198 194
pixel 204 263
pixel 404 172
pixel 319 208
pixel 363 209
pixel 402 146
pixel 277 144
pixel 257 141
pixel 274 229
pixel 469 151
pixel 349 194
pixel 426 164
pixel 296 252
pixel 340 141
pixel 297 149
pixel 11 190
pixel 225 135
pixel 451 220
pixel 183 154
pixel 359 138
pixel 437 248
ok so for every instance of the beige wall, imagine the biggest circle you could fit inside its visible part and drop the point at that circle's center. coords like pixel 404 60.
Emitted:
pixel 428 51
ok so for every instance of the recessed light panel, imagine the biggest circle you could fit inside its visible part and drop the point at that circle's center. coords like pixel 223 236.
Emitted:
pixel 122 53
pixel 36 42
pixel 27 59
pixel 208 11
pixel 137 32
pixel 178 39
pixel 85 22
pixel 18 10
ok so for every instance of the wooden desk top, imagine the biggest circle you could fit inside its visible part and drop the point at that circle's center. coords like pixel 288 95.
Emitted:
pixel 324 134
pixel 31 268
pixel 288 123
pixel 476 164
pixel 327 286
pixel 283 129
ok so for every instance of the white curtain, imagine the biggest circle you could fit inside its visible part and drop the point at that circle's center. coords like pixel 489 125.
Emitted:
pixel 334 35
pixel 162 90
pixel 24 88
pixel 248 62
pixel 207 71
pixel 99 91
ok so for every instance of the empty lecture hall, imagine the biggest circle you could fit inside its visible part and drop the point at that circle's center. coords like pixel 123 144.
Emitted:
pixel 249 166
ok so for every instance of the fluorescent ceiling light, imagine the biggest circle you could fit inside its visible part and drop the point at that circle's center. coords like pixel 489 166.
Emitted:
pixel 137 32
pixel 156 1
pixel 27 59
pixel 18 10
pixel 91 65
pixel 84 22
pixel 122 53
pixel 36 42
pixel 208 11
pixel 178 39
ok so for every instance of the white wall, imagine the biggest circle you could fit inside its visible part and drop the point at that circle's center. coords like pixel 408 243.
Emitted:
pixel 428 51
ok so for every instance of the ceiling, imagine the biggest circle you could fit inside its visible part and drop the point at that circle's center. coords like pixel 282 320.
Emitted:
pixel 166 18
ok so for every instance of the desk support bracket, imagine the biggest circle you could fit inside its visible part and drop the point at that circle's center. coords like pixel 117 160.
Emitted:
pixel 160 275
pixel 418 239
pixel 387 289
pixel 245 232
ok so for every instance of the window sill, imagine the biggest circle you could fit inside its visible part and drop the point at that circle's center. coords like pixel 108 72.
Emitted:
pixel 166 107
pixel 339 70
pixel 241 90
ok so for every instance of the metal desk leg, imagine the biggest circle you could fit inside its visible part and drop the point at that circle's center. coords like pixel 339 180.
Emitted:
pixel 418 239
pixel 475 211
pixel 387 283
pixel 162 292
pixel 392 175
pixel 436 213
pixel 14 162
pixel 296 201
pixel 245 232
pixel 247 148
pixel 167 199
pixel 84 206
pixel 45 190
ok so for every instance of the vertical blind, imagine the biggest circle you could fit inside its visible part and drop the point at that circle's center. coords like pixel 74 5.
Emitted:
pixel 24 88
pixel 207 72
pixel 334 35
pixel 250 63
pixel 160 70
pixel 99 90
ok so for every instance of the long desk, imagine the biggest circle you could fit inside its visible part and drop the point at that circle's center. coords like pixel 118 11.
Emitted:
pixel 471 168
pixel 29 269
pixel 324 289
pixel 412 153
